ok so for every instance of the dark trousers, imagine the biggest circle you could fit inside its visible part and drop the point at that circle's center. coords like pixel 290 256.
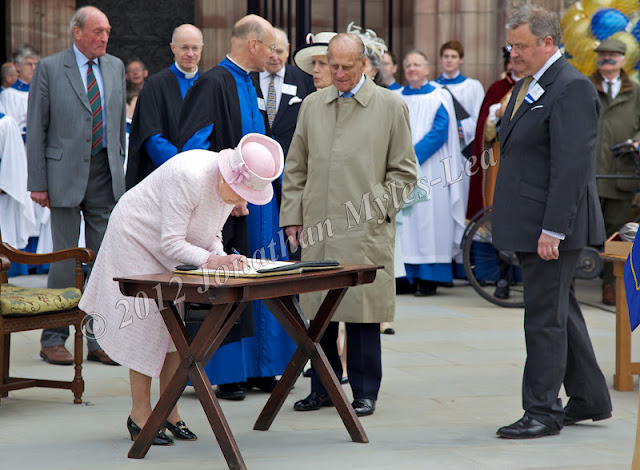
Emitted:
pixel 559 349
pixel 96 208
pixel 364 358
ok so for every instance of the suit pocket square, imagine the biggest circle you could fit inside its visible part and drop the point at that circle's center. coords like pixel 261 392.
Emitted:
pixel 294 100
pixel 536 107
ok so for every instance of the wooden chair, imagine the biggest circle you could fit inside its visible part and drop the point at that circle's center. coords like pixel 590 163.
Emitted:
pixel 24 309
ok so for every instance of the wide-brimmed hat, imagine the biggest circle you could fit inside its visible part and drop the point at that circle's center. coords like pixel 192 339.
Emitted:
pixel 317 44
pixel 250 168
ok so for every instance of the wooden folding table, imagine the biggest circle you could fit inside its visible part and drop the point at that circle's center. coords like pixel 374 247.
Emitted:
pixel 228 298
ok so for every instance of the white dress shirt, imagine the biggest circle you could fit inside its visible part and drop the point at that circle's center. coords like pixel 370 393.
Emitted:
pixel 278 80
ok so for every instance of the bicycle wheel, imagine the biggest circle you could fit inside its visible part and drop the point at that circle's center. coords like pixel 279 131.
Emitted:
pixel 485 266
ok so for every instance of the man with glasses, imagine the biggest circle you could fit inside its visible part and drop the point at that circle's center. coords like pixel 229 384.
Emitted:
pixel 154 127
pixel 619 121
pixel 546 209
pixel 220 108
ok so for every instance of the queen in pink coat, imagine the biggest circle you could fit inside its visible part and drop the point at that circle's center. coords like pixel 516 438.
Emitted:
pixel 174 216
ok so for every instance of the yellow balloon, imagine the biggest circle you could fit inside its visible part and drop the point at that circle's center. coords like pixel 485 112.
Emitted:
pixel 584 58
pixel 628 7
pixel 576 32
pixel 574 13
pixel 635 76
pixel 590 6
pixel 633 49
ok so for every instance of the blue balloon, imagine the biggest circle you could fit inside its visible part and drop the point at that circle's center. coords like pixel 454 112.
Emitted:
pixel 606 22
pixel 636 31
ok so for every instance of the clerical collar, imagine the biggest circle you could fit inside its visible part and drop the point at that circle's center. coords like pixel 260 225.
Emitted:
pixel 444 80
pixel 355 89
pixel 423 90
pixel 187 75
pixel 237 65
pixel 20 85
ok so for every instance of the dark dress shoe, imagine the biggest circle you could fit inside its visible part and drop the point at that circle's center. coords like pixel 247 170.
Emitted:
pixel 313 402
pixel 160 440
pixel 307 373
pixel 572 415
pixel 344 380
pixel 230 392
pixel 425 288
pixel 364 406
pixel 181 431
pixel 57 355
pixel 264 384
pixel 502 289
pixel 100 356
pixel 526 428
pixel 389 331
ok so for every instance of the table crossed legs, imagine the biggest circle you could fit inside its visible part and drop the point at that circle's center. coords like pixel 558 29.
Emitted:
pixel 210 336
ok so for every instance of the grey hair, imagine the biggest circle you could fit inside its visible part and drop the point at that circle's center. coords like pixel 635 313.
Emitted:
pixel 542 23
pixel 25 50
pixel 80 18
pixel 354 38
pixel 373 58
pixel 248 29
pixel 420 53
pixel 284 32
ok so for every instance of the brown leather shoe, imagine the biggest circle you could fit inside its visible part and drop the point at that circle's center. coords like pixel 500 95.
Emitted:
pixel 609 294
pixel 57 355
pixel 100 356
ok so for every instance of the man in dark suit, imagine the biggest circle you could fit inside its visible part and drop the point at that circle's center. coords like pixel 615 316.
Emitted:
pixel 75 150
pixel 546 209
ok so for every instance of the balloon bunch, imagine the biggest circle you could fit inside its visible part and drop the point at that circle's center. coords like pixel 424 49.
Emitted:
pixel 586 23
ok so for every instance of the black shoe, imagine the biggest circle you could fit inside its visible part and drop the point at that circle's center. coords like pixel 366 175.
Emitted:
pixel 572 415
pixel 344 380
pixel 364 406
pixel 230 392
pixel 181 431
pixel 389 331
pixel 425 288
pixel 307 373
pixel 502 289
pixel 404 287
pixel 313 402
pixel 264 384
pixel 526 428
pixel 160 440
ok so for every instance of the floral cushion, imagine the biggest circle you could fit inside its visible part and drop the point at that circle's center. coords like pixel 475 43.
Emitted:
pixel 20 301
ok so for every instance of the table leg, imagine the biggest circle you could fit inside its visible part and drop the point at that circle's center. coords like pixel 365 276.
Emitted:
pixel 288 314
pixel 622 379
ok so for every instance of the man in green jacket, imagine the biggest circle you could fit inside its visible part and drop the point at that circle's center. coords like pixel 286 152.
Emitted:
pixel 619 121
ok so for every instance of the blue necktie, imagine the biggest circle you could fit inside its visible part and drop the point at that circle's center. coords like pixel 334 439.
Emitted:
pixel 347 95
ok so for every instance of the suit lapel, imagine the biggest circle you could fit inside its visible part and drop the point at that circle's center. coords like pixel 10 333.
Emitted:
pixel 73 74
pixel 545 82
pixel 107 78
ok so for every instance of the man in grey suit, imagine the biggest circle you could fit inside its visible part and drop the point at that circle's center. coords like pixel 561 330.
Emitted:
pixel 546 209
pixel 75 149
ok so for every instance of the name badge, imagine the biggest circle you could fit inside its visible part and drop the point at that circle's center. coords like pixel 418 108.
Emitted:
pixel 261 105
pixel 534 94
pixel 288 89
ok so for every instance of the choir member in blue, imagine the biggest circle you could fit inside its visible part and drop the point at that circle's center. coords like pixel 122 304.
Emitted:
pixel 154 127
pixel 225 104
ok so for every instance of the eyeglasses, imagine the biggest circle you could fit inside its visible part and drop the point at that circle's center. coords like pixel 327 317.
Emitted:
pixel 272 49
pixel 516 47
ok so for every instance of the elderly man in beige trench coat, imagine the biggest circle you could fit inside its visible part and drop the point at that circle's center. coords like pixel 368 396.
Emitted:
pixel 350 163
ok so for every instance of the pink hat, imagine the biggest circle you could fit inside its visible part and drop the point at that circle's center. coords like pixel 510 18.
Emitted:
pixel 250 168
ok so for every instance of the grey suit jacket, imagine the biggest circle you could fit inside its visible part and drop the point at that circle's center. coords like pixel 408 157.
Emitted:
pixel 59 122
pixel 546 177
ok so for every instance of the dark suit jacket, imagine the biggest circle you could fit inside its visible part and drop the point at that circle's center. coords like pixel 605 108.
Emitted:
pixel 546 177
pixel 285 121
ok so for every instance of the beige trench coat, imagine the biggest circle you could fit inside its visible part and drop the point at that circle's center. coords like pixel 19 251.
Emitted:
pixel 345 157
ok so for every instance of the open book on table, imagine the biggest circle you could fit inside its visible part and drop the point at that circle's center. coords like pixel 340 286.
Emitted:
pixel 263 268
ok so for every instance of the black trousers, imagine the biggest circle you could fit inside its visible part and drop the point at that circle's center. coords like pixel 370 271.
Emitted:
pixel 559 349
pixel 364 358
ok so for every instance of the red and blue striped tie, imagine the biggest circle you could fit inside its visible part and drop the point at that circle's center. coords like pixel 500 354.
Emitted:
pixel 93 92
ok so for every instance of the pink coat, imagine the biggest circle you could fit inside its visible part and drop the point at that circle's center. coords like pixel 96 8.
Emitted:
pixel 174 216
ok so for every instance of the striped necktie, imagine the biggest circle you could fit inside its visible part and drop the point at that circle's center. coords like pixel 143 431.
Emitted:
pixel 93 92
pixel 271 102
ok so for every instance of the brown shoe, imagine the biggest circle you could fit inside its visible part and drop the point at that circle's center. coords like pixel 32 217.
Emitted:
pixel 100 356
pixel 57 355
pixel 609 294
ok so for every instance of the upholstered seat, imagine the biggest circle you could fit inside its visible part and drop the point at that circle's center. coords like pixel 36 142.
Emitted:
pixel 24 309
